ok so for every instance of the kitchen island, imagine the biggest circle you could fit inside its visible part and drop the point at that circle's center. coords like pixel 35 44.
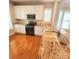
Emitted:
pixel 50 47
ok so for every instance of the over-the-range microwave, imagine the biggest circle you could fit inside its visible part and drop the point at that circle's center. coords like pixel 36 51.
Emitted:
pixel 30 16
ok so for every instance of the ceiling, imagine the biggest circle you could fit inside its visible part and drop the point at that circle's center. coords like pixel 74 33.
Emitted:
pixel 33 0
pixel 28 2
pixel 64 2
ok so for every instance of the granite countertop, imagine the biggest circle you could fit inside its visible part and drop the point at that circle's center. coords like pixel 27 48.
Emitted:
pixel 50 47
pixel 19 23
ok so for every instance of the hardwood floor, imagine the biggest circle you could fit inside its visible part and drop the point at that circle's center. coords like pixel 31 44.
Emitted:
pixel 24 47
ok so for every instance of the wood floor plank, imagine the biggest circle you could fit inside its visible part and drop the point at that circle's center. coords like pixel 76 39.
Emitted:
pixel 24 47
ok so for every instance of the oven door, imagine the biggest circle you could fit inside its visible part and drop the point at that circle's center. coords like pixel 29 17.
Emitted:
pixel 29 30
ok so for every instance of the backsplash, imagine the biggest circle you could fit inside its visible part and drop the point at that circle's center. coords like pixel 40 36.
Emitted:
pixel 39 22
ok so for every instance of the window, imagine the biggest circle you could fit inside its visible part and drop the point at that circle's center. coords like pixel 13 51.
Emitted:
pixel 63 23
pixel 66 21
pixel 10 24
pixel 47 15
pixel 59 20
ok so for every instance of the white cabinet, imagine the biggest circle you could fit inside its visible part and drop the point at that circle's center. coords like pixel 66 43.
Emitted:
pixel 20 28
pixel 39 12
pixel 30 9
pixel 38 30
pixel 20 12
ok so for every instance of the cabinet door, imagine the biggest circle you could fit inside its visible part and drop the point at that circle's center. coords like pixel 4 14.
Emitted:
pixel 38 30
pixel 39 12
pixel 30 9
pixel 20 12
pixel 19 28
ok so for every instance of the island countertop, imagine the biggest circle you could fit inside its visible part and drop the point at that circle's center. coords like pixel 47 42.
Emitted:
pixel 51 48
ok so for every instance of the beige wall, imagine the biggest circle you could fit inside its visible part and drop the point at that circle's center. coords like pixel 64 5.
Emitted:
pixel 11 10
pixel 49 5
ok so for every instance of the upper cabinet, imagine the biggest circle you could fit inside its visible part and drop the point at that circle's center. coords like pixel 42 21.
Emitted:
pixel 30 9
pixel 22 11
pixel 39 12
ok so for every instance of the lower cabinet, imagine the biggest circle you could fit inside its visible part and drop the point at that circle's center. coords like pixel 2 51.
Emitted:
pixel 20 28
pixel 38 30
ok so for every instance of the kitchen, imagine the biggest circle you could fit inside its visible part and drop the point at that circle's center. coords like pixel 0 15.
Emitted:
pixel 21 14
pixel 35 30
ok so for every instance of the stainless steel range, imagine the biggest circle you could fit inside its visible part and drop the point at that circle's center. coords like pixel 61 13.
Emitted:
pixel 30 28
